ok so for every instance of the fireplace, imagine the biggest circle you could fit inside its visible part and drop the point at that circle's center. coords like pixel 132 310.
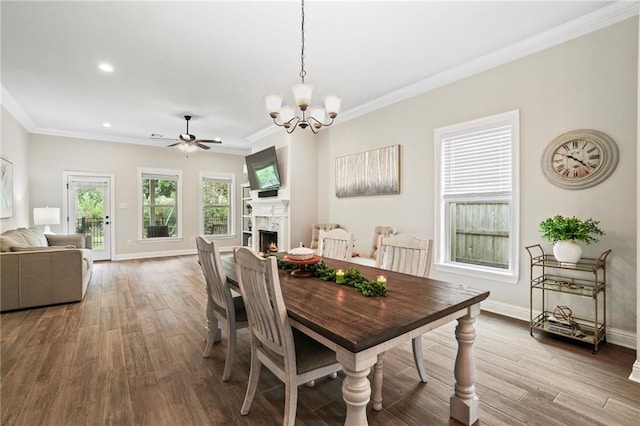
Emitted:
pixel 268 241
pixel 270 220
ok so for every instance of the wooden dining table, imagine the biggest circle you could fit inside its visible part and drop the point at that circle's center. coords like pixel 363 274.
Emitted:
pixel 359 328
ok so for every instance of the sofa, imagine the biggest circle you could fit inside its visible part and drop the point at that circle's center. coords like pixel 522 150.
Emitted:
pixel 38 269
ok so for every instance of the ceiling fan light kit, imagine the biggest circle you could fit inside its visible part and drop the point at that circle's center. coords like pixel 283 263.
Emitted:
pixel 312 116
pixel 187 142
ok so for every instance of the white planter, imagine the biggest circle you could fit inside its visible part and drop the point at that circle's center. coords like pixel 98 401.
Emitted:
pixel 567 251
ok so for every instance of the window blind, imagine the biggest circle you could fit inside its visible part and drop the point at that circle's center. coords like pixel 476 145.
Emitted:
pixel 157 176
pixel 216 180
pixel 477 162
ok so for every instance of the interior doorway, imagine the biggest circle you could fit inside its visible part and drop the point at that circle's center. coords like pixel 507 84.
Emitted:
pixel 89 210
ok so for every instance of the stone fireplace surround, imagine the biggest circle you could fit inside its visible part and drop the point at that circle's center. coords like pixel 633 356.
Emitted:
pixel 270 215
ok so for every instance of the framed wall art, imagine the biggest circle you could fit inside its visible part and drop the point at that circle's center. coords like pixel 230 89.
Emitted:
pixel 375 172
pixel 6 189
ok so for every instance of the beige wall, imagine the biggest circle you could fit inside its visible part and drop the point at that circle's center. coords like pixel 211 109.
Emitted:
pixel 589 82
pixel 14 143
pixel 50 156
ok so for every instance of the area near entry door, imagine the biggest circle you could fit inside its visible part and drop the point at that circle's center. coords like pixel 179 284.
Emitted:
pixel 89 211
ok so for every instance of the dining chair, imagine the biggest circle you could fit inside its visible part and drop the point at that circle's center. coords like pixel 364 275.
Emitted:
pixel 315 232
pixel 292 356
pixel 222 307
pixel 336 244
pixel 410 255
pixel 385 231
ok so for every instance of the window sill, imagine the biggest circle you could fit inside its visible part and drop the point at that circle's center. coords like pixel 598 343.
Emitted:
pixel 159 240
pixel 476 272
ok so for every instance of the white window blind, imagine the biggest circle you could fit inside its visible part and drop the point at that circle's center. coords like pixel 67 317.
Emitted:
pixel 217 180
pixel 477 162
pixel 156 176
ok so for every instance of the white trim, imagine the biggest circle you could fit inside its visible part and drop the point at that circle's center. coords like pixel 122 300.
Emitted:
pixel 442 243
pixel 16 110
pixel 179 207
pixel 232 203
pixel 578 27
pixel 112 195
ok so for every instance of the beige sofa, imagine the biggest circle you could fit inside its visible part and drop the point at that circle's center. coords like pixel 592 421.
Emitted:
pixel 38 269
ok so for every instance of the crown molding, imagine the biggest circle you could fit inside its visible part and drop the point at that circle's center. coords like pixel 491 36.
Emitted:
pixel 578 27
pixel 16 110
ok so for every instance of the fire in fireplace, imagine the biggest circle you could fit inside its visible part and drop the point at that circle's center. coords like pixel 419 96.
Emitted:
pixel 268 241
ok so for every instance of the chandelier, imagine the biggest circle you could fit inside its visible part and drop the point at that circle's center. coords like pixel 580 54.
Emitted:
pixel 311 116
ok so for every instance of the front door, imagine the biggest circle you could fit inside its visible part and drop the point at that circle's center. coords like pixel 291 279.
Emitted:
pixel 89 211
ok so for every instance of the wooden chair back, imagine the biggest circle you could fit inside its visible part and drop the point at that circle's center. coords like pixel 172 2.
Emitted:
pixel 336 244
pixel 266 311
pixel 404 253
pixel 218 290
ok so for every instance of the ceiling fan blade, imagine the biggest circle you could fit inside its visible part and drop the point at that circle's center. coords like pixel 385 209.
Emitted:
pixel 208 140
pixel 202 146
pixel 174 144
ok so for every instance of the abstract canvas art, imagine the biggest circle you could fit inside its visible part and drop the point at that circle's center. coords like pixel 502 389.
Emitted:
pixel 6 189
pixel 375 172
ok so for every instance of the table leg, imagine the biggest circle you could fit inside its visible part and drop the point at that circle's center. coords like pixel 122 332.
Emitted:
pixel 377 383
pixel 464 402
pixel 356 390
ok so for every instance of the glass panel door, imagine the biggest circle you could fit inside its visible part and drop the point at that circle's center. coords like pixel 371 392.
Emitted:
pixel 89 211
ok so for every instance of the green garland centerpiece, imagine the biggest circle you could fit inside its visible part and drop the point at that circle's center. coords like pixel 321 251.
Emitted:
pixel 352 277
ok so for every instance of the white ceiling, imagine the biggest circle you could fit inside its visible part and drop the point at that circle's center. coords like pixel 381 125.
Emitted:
pixel 216 60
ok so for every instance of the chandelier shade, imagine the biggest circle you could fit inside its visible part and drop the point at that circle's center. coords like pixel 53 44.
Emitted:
pixel 308 116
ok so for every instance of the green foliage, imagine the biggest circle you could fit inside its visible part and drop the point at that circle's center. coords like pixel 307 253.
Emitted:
pixel 352 278
pixel 559 228
pixel 89 202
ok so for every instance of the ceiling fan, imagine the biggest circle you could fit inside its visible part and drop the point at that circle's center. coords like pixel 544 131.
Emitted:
pixel 187 141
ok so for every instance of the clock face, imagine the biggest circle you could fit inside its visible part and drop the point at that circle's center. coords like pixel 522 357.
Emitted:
pixel 580 159
pixel 577 159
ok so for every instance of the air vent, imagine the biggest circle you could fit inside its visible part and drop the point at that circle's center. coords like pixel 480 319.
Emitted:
pixel 157 135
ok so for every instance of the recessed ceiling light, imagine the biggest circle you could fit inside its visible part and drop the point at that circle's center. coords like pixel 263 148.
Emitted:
pixel 106 124
pixel 105 67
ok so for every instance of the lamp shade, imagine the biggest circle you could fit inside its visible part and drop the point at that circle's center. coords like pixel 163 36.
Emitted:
pixel 46 216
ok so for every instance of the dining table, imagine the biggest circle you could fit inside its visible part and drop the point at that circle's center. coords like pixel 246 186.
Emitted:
pixel 360 329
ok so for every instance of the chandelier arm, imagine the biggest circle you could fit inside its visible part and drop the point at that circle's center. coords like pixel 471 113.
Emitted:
pixel 320 122
pixel 291 128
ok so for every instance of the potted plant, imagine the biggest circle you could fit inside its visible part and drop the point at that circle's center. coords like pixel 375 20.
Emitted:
pixel 566 232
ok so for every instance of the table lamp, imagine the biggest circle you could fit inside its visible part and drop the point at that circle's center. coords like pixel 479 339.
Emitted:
pixel 46 216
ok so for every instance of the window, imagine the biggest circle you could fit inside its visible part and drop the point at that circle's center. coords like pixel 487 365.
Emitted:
pixel 217 202
pixel 161 198
pixel 477 190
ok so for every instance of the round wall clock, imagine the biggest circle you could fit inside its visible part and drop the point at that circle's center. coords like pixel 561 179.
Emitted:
pixel 580 159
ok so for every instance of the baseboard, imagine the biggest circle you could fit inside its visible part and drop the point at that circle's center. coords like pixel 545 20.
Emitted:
pixel 169 253
pixel 615 336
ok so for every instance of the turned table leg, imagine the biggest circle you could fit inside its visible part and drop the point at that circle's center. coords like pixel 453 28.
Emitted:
pixel 356 391
pixel 464 402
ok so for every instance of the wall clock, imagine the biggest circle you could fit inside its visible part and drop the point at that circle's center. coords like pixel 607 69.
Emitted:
pixel 580 159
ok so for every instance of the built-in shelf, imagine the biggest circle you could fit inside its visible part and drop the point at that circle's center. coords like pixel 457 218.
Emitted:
pixel 245 205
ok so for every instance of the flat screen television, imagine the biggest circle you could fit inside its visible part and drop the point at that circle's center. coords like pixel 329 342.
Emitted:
pixel 262 169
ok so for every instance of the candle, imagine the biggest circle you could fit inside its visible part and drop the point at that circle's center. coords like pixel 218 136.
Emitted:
pixel 381 279
pixel 340 276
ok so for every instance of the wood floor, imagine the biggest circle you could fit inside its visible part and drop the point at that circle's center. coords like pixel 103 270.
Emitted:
pixel 130 353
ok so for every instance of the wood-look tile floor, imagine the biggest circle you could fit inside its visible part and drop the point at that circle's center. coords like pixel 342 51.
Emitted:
pixel 131 353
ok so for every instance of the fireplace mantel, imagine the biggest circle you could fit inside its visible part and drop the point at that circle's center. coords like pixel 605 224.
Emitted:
pixel 270 215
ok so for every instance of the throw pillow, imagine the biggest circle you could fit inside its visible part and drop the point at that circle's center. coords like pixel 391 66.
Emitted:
pixel 76 240
pixel 12 238
pixel 33 237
